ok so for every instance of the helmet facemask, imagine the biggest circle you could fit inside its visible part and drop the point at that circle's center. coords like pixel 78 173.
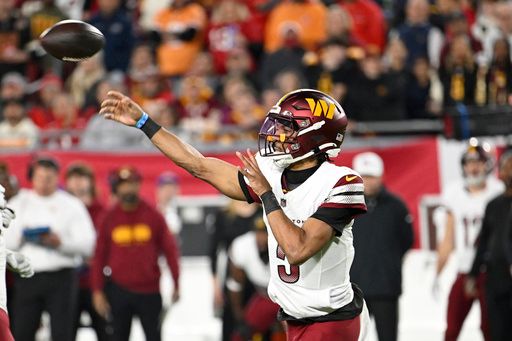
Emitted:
pixel 278 137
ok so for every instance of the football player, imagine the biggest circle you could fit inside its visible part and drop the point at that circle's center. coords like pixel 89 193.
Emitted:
pixel 14 261
pixel 309 206
pixel 248 261
pixel 465 203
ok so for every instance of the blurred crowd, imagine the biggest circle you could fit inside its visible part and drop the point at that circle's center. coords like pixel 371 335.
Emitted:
pixel 212 68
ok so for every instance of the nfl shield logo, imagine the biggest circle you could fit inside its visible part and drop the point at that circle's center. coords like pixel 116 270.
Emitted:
pixel 283 202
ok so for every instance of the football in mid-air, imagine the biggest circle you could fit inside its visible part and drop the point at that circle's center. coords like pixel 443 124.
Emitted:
pixel 72 40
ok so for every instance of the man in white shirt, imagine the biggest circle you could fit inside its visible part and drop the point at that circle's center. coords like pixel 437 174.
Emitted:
pixel 54 230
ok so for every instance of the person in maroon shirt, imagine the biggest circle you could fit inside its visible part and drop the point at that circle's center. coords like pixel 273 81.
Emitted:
pixel 131 237
pixel 80 182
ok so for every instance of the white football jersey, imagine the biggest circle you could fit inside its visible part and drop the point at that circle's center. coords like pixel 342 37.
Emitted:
pixel 3 290
pixel 468 211
pixel 245 255
pixel 320 285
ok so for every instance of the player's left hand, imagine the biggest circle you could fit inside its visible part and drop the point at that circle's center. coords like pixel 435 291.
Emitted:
pixel 20 264
pixel 252 172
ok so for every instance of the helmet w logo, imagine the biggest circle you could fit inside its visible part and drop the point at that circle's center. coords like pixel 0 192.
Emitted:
pixel 321 107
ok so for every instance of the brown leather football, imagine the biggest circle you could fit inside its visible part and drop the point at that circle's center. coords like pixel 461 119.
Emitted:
pixel 72 40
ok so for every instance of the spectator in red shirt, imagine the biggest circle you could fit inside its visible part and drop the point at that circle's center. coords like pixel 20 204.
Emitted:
pixel 150 87
pixel 66 123
pixel 49 87
pixel 254 26
pixel 199 111
pixel 369 26
pixel 226 31
pixel 130 240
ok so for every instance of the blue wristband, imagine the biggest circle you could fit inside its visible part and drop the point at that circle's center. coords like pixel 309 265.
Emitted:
pixel 142 120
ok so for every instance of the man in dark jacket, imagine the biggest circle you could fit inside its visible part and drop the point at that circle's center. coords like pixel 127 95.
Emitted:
pixel 492 254
pixel 381 238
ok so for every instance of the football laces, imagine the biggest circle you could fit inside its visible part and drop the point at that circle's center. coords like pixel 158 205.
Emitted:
pixel 72 59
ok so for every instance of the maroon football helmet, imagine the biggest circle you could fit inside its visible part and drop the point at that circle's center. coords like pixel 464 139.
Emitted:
pixel 303 123
pixel 477 152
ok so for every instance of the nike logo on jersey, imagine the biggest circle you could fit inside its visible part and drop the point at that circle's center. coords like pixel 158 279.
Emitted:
pixel 350 178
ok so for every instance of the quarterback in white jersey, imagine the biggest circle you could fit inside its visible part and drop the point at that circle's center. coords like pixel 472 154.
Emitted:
pixel 465 203
pixel 309 206
pixel 321 284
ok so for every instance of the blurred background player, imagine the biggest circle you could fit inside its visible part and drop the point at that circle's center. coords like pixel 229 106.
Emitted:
pixel 130 240
pixel 80 182
pixel 234 220
pixel 465 204
pixel 167 190
pixel 491 253
pixel 12 260
pixel 55 233
pixel 382 236
pixel 248 262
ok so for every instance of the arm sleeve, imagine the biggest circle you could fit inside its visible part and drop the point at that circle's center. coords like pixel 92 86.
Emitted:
pixel 337 218
pixel 344 202
pixel 170 250
pixel 100 256
pixel 483 242
pixel 80 235
pixel 250 196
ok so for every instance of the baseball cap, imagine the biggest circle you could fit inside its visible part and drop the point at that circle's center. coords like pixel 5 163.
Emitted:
pixel 123 174
pixel 167 178
pixel 14 78
pixel 369 164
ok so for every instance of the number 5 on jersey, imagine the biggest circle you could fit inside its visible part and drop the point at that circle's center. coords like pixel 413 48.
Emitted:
pixel 288 277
